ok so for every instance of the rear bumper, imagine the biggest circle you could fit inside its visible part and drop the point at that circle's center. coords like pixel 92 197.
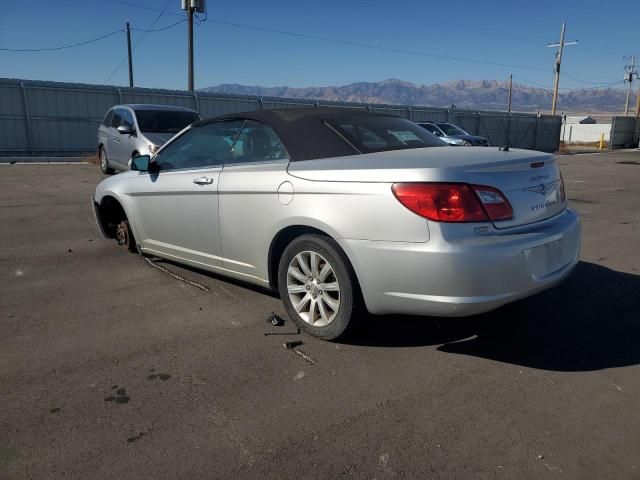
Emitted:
pixel 467 277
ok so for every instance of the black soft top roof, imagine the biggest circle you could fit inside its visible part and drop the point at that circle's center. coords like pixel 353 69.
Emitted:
pixel 302 130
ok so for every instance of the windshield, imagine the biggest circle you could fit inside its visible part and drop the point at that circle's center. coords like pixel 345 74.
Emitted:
pixel 449 129
pixel 164 121
pixel 377 134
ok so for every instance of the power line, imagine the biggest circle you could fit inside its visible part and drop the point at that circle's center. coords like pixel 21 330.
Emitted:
pixel 139 40
pixel 502 85
pixel 588 82
pixel 549 87
pixel 371 46
pixel 63 47
pixel 162 29
pixel 339 41
pixel 144 7
pixel 346 42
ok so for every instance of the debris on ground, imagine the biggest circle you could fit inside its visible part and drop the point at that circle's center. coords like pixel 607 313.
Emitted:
pixel 300 375
pixel 175 275
pixel 275 319
pixel 540 457
pixel 292 345
pixel 304 355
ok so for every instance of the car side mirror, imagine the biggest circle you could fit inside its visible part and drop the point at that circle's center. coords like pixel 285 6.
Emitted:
pixel 141 163
pixel 126 130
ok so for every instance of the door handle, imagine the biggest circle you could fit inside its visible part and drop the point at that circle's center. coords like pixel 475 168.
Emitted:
pixel 203 181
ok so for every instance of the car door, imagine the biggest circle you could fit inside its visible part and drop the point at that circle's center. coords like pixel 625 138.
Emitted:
pixel 253 190
pixel 104 131
pixel 176 208
pixel 115 142
pixel 122 144
pixel 127 141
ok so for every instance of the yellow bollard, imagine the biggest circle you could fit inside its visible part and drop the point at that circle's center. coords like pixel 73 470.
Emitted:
pixel 601 141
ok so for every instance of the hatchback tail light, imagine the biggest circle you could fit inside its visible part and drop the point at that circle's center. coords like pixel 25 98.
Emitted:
pixel 453 202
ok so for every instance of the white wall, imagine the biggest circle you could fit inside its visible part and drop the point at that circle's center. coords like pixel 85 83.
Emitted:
pixel 577 132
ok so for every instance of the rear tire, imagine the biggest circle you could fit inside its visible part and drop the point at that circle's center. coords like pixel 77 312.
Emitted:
pixel 318 287
pixel 104 162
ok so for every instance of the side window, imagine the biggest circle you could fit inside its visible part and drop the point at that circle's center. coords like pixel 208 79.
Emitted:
pixel 117 118
pixel 205 146
pixel 257 143
pixel 126 118
pixel 107 119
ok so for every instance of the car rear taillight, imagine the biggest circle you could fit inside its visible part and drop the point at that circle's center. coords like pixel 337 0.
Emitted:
pixel 453 202
pixel 493 201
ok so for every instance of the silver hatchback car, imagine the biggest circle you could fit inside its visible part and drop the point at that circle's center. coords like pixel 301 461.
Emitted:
pixel 340 209
pixel 130 130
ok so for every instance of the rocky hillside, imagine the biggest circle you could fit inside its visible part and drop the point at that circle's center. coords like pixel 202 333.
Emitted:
pixel 482 94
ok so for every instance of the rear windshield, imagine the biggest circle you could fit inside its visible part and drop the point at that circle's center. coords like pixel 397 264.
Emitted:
pixel 379 134
pixel 164 121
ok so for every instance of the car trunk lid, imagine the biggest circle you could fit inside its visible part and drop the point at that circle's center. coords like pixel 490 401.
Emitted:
pixel 529 180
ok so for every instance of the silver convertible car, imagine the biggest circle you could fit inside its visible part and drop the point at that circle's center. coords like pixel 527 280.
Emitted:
pixel 339 210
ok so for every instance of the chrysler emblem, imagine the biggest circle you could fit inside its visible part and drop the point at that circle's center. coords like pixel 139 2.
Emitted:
pixel 542 189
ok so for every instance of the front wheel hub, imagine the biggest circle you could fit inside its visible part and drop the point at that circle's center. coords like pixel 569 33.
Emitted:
pixel 122 233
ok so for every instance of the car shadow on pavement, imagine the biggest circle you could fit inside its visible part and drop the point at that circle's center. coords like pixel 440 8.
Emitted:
pixel 589 322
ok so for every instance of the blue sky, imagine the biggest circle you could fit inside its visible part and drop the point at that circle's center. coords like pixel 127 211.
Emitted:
pixel 507 32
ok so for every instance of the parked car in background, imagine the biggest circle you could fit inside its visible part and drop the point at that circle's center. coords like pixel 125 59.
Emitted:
pixel 454 135
pixel 130 130
pixel 340 209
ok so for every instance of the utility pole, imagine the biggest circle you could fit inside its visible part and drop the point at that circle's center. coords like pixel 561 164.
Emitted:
pixel 638 104
pixel 129 53
pixel 191 7
pixel 510 85
pixel 190 22
pixel 557 63
pixel 630 73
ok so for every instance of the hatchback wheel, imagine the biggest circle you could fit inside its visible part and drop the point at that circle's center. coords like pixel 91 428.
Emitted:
pixel 104 162
pixel 318 286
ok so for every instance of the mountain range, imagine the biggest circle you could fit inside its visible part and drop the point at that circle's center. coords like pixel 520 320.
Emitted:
pixel 475 94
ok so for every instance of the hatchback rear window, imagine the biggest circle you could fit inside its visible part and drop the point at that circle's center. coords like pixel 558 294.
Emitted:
pixel 378 134
pixel 164 121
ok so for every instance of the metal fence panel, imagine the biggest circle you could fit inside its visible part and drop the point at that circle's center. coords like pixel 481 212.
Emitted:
pixel 624 133
pixel 11 100
pixel 178 100
pixel 211 106
pixel 13 135
pixel 64 135
pixel 62 118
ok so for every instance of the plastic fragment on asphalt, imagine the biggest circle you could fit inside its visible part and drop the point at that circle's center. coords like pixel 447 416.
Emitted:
pixel 275 319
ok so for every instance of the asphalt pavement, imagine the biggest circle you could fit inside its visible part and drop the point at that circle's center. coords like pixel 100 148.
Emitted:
pixel 112 368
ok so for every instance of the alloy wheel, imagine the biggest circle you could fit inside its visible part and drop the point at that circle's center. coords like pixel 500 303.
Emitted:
pixel 313 288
